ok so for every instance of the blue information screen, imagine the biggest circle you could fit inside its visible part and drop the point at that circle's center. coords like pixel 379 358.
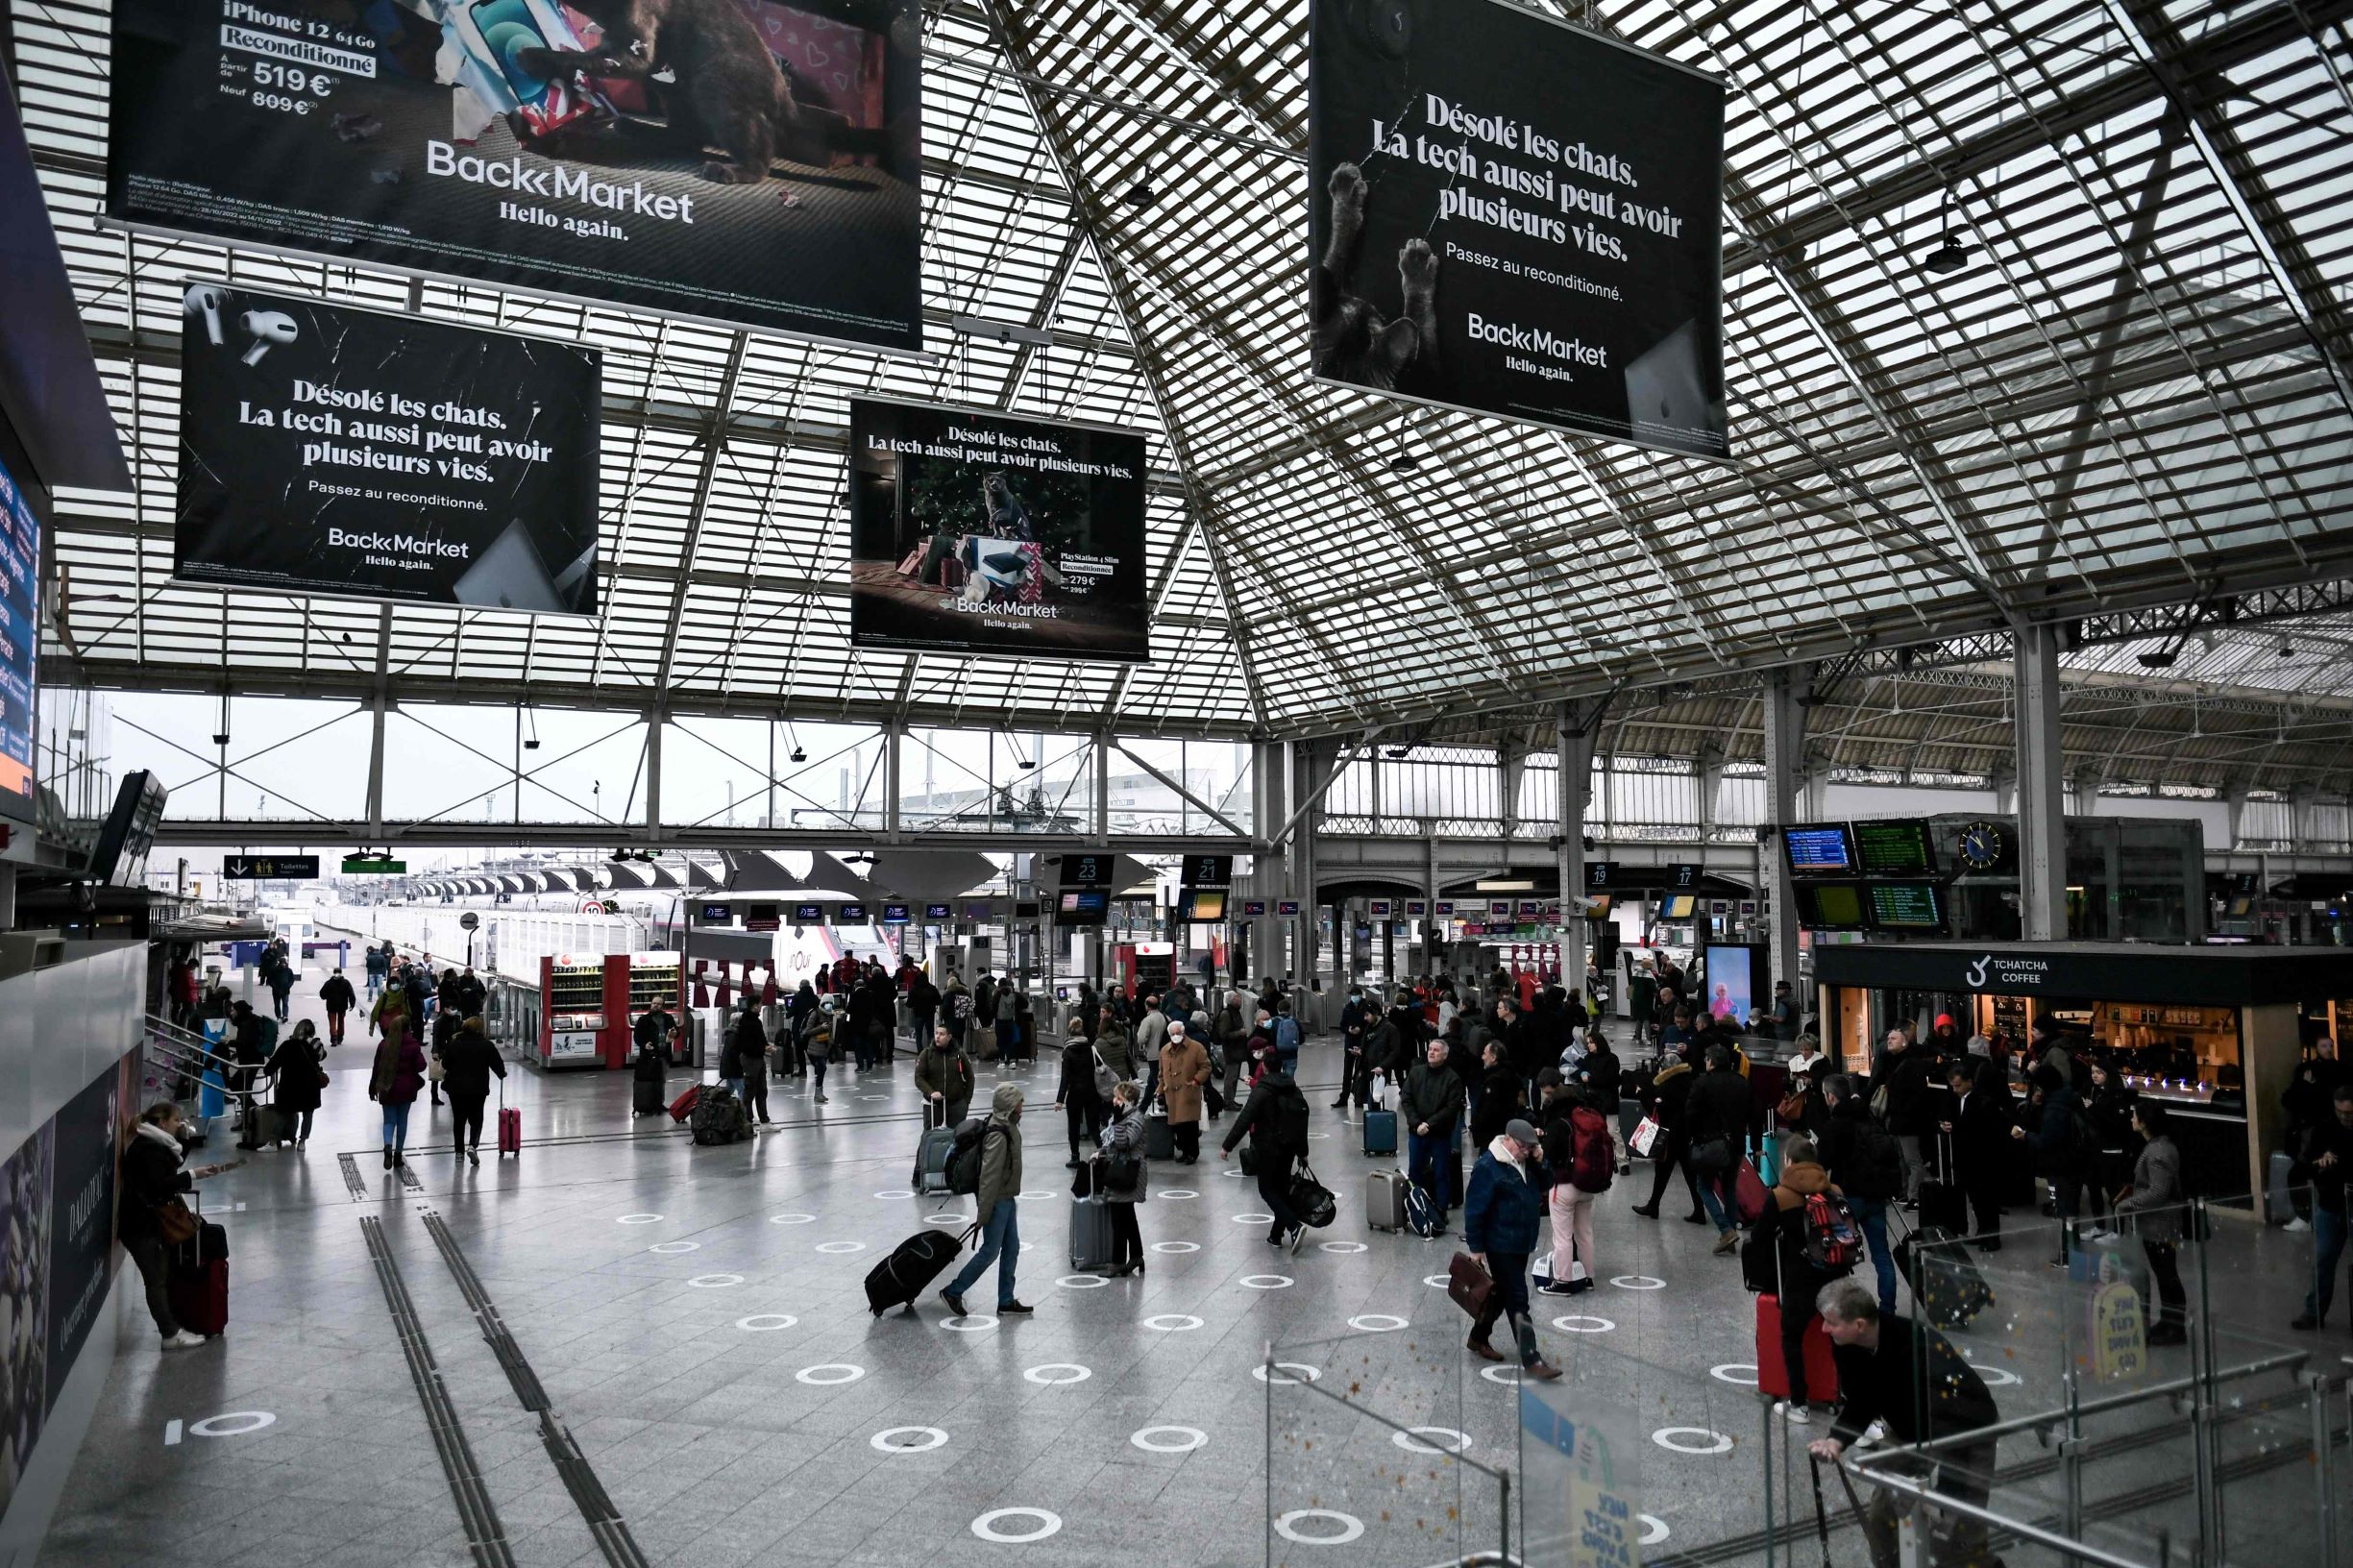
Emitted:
pixel 20 556
pixel 1818 849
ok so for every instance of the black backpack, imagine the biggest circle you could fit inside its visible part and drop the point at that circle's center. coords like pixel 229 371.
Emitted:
pixel 963 1161
pixel 1291 1120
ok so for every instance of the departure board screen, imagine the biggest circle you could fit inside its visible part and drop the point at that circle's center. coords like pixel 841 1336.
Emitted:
pixel 1907 906
pixel 1900 847
pixel 1819 850
pixel 1833 906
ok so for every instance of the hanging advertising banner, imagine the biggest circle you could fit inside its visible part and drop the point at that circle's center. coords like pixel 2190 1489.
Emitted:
pixel 747 161
pixel 979 533
pixel 1542 243
pixel 324 450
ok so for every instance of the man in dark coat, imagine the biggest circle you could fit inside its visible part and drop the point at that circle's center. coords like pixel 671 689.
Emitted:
pixel 1274 1118
pixel 338 998
pixel 1717 1117
pixel 1431 1106
pixel 1501 1217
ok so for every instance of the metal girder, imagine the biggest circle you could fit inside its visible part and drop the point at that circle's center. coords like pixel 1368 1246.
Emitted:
pixel 182 830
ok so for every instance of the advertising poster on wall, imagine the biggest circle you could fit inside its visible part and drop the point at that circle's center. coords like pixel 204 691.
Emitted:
pixel 1542 243
pixel 24 1306
pixel 326 450
pixel 979 533
pixel 20 556
pixel 746 161
pixel 86 1146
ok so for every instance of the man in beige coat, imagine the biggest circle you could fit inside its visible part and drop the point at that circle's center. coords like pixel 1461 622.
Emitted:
pixel 1184 1069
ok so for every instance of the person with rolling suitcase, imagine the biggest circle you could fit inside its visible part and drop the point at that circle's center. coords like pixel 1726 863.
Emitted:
pixel 511 1128
pixel 153 1181
pixel 649 1089
pixel 989 1166
pixel 468 1062
pixel 1432 1106
pixel 1119 1179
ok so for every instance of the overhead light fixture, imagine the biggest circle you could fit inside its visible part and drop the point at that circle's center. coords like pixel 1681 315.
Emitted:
pixel 1505 884
pixel 2161 658
pixel 1143 193
pixel 1399 753
pixel 1406 461
pixel 798 755
pixel 1950 256
pixel 2286 651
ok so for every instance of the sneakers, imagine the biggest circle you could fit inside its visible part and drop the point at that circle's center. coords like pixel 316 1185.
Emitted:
pixel 824 1100
pixel 387 1156
pixel 2297 1224
pixel 474 1157
pixel 1482 1350
pixel 2304 1320
pixel 1299 1234
pixel 1727 1242
pixel 1795 1414
pixel 955 1302
pixel 1555 1287
pixel 1015 1308
pixel 184 1340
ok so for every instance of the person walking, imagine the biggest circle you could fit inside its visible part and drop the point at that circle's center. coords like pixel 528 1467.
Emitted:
pixel 338 998
pixel 2154 1202
pixel 1496 1100
pixel 394 1079
pixel 995 1205
pixel 1007 1020
pixel 1431 1106
pixel 1077 1096
pixel 1582 1160
pixel 820 1041
pixel 2324 1159
pixel 152 1178
pixel 923 1004
pixel 1275 1120
pixel 296 1082
pixel 1122 1175
pixel 1862 1157
pixel 1668 1104
pixel 1899 1092
pixel 1718 1113
pixel 1355 1072
pixel 1112 1043
pixel 1151 1034
pixel 1184 1069
pixel 1500 1215
pixel 944 1075
pixel 1779 1239
pixel 281 981
pixel 751 1050
pixel 469 1062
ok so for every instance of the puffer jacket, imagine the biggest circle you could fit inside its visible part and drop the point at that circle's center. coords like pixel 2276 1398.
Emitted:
pixel 1126 1136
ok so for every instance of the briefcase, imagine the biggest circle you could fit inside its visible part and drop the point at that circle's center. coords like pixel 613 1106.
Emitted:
pixel 1469 1284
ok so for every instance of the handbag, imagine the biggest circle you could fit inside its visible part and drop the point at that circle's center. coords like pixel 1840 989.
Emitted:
pixel 177 1222
pixel 1311 1200
pixel 435 1071
pixel 1792 1109
pixel 1250 1159
pixel 1646 1137
pixel 1082 1181
pixel 1714 1155
pixel 1121 1172
pixel 1105 1080
pixel 1468 1284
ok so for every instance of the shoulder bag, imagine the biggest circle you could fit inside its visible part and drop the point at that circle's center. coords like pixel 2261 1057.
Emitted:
pixel 177 1222
pixel 1105 1080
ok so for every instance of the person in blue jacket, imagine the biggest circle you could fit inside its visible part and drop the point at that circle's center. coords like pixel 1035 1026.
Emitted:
pixel 1500 1215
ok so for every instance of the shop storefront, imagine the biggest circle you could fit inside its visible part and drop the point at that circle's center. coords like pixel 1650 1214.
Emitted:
pixel 2214 1032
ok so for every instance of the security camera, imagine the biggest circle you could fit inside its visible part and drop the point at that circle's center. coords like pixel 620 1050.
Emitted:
pixel 266 328
pixel 203 301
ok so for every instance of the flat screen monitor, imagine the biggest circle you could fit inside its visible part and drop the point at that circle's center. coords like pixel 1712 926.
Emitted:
pixel 808 914
pixel 1601 873
pixel 1834 906
pixel 1907 906
pixel 979 911
pixel 894 914
pixel 1597 909
pixel 1898 847
pixel 20 567
pixel 1677 906
pixel 938 911
pixel 1089 902
pixel 719 914
pixel 1819 850
pixel 849 914
pixel 1208 872
pixel 1088 871
pixel 1202 904
pixel 1734 971
pixel 120 859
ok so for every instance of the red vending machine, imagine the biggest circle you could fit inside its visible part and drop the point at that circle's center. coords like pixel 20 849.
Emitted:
pixel 589 1004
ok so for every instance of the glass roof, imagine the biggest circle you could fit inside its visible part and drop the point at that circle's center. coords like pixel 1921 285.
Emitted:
pixel 2136 392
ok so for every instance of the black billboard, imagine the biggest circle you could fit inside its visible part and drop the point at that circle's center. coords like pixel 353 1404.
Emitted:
pixel 1514 216
pixel 975 532
pixel 747 161
pixel 326 450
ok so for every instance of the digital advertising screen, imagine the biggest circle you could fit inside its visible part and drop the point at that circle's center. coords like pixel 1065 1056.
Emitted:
pixel 1516 218
pixel 1677 906
pixel 1834 906
pixel 938 911
pixel 1907 906
pixel 1901 847
pixel 327 450
pixel 759 166
pixel 849 914
pixel 20 562
pixel 894 914
pixel 1819 850
pixel 808 914
pixel 975 532
pixel 1202 904
pixel 1732 970
pixel 1084 906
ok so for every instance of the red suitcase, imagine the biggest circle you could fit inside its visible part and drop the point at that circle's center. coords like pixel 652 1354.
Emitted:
pixel 510 1130
pixel 1773 1375
pixel 683 1106
pixel 197 1281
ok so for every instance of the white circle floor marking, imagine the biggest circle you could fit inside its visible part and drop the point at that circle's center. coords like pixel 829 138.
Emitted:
pixel 1437 1282
pixel 1377 1323
pixel 1411 1440
pixel 1063 1372
pixel 1318 1138
pixel 714 1282
pixel 1082 1282
pixel 218 1426
pixel 1287 1525
pixel 886 1440
pixel 1997 1377
pixel 676 1247
pixel 1267 1281
pixel 792 1219
pixel 636 1220
pixel 1508 1376
pixel 809 1374
pixel 1176 1247
pixel 1172 1323
pixel 1672 1438
pixel 1574 1324
pixel 1286 1372
pixel 945 1220
pixel 1232 1175
pixel 1740 1374
pixel 1341 1246
pixel 969 1323
pixel 1637 1282
pixel 1178 1194
pixel 985 1526
pixel 1036 1197
pixel 1654 1528
pixel 766 1322
pixel 1188 1438
pixel 840 1246
pixel 895 1194
pixel 1254 1220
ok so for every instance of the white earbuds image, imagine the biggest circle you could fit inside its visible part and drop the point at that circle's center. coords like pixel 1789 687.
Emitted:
pixel 266 328
pixel 203 301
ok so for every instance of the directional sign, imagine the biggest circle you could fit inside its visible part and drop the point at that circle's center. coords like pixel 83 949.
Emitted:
pixel 371 866
pixel 469 921
pixel 270 868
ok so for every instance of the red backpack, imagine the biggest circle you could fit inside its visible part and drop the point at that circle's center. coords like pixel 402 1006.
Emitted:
pixel 1833 1241
pixel 1592 1160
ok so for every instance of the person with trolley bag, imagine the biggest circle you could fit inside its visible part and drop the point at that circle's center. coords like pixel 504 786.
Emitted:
pixel 467 1062
pixel 154 1223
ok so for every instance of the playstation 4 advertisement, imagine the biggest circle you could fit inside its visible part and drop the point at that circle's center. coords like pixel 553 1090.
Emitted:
pixel 740 162
pixel 1542 243
pixel 331 449
pixel 974 532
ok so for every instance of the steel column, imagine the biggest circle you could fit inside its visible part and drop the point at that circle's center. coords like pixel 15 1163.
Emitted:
pixel 2042 782
pixel 1787 694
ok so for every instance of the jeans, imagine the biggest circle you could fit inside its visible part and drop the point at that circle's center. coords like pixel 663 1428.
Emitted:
pixel 1716 1199
pixel 1275 1192
pixel 147 1251
pixel 1509 1300
pixel 277 1002
pixel 2328 1241
pixel 468 1123
pixel 395 1125
pixel 1870 1215
pixel 735 1087
pixel 376 983
pixel 1432 1161
pixel 817 1071
pixel 1000 1243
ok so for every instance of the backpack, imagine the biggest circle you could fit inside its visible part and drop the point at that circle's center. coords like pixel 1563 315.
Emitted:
pixel 1877 1166
pixel 717 1117
pixel 964 1162
pixel 1291 1123
pixel 1286 1035
pixel 1423 1216
pixel 1833 1240
pixel 1592 1161
pixel 964 1005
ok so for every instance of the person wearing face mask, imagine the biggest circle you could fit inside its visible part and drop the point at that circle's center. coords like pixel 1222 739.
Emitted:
pixel 1184 1069
pixel 1501 1216
pixel 1122 1174
pixel 995 1204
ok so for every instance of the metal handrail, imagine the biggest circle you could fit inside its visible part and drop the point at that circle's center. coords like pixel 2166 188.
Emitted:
pixel 1924 1488
pixel 2098 1407
pixel 194 1055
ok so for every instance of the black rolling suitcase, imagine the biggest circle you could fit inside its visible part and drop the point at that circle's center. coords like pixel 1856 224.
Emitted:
pixel 913 1264
pixel 1943 1205
pixel 650 1097
pixel 1945 1283
pixel 1159 1140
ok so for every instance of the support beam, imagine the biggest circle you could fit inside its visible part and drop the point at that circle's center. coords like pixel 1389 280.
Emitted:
pixel 1786 695
pixel 654 775
pixel 2041 783
pixel 1574 725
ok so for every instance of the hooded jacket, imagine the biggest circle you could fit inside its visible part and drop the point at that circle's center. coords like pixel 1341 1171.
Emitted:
pixel 151 1178
pixel 467 1064
pixel 1000 1151
pixel 1502 1211
pixel 1782 1228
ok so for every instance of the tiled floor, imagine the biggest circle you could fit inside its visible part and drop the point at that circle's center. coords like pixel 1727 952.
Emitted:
pixel 697 1318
